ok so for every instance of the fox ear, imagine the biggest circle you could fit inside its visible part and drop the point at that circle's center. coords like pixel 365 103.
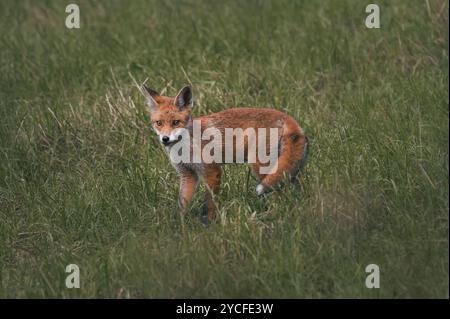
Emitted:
pixel 184 98
pixel 149 94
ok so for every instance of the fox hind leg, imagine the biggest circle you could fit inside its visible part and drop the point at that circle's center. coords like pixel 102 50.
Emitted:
pixel 289 161
pixel 255 168
pixel 212 177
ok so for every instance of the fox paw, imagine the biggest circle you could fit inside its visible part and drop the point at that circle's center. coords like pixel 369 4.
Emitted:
pixel 260 189
pixel 205 220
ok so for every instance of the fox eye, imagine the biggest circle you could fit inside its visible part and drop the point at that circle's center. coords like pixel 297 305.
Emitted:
pixel 176 122
pixel 158 123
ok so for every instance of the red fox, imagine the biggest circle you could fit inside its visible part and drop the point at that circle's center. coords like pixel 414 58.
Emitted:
pixel 172 120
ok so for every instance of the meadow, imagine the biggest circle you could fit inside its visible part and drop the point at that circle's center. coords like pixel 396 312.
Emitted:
pixel 84 180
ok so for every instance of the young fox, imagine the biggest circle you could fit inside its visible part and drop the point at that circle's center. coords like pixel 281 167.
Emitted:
pixel 170 117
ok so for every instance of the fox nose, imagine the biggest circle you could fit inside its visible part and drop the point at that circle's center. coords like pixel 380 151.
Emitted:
pixel 165 139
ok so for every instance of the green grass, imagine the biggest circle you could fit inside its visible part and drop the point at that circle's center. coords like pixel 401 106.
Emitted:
pixel 83 179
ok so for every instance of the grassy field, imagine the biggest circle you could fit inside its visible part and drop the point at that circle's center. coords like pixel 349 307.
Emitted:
pixel 84 180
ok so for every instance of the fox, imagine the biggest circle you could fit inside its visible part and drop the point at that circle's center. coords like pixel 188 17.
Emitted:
pixel 169 116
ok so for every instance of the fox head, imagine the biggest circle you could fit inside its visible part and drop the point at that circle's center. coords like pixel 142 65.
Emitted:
pixel 169 116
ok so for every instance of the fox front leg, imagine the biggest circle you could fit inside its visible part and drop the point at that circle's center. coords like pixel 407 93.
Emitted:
pixel 188 184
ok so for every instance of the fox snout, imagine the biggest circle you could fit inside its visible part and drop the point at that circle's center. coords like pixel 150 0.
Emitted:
pixel 170 139
pixel 165 139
